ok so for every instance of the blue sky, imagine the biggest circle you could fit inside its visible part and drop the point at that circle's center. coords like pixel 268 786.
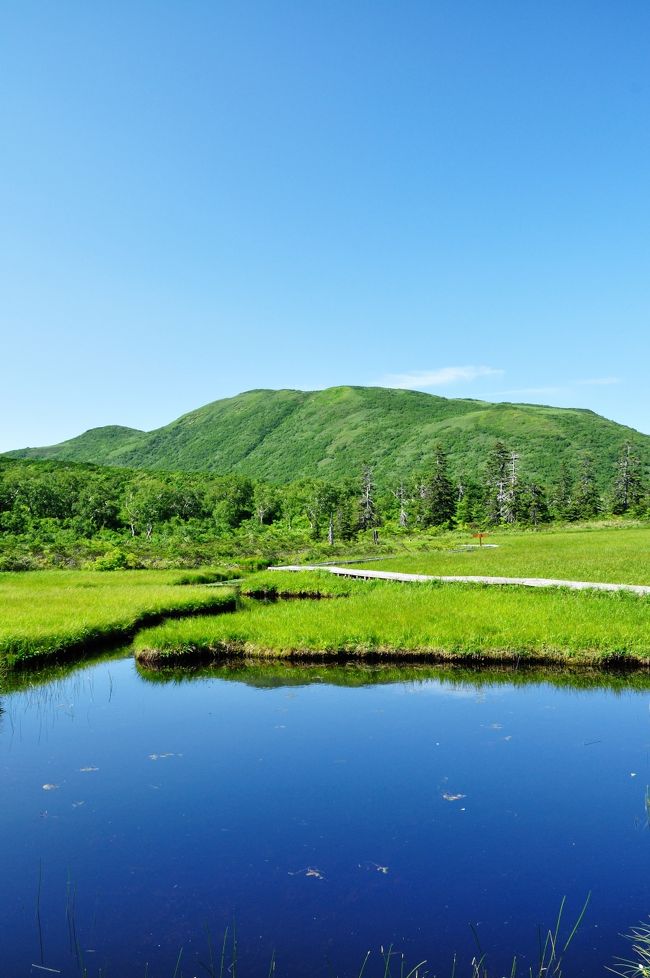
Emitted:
pixel 199 198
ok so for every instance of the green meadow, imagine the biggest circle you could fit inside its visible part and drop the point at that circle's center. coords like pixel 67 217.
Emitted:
pixel 611 554
pixel 49 613
pixel 394 620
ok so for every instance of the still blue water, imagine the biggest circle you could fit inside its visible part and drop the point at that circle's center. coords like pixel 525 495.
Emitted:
pixel 324 819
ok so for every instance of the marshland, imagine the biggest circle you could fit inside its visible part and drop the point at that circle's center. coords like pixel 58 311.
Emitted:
pixel 194 743
pixel 205 774
pixel 324 489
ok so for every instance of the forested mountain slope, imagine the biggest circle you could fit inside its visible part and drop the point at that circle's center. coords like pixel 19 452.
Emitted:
pixel 286 434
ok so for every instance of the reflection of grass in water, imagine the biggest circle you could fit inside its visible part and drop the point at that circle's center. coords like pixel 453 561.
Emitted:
pixel 53 673
pixel 45 692
pixel 271 674
pixel 356 673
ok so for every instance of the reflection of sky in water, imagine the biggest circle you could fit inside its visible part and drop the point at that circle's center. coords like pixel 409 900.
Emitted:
pixel 327 819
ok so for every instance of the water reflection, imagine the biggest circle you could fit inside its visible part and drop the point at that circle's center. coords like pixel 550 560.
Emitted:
pixel 271 675
pixel 328 809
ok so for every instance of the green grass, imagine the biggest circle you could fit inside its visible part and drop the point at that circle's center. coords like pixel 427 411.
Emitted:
pixel 620 555
pixel 49 613
pixel 299 584
pixel 467 622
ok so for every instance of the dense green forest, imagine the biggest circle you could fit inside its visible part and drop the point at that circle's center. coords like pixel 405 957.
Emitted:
pixel 284 435
pixel 73 514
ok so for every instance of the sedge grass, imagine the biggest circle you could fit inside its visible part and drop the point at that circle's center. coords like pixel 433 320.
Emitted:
pixel 401 621
pixel 221 957
pixel 49 613
pixel 619 555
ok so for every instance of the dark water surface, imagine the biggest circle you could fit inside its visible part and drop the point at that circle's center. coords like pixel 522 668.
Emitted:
pixel 328 811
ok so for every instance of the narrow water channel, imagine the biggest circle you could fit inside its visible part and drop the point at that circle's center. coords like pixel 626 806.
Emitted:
pixel 325 811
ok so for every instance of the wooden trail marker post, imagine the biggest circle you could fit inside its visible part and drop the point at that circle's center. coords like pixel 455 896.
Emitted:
pixel 480 536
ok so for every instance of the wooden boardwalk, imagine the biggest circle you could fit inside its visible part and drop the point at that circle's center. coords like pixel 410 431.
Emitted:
pixel 368 575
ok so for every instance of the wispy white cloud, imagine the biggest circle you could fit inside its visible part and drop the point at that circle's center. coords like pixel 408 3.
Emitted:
pixel 442 377
pixel 598 381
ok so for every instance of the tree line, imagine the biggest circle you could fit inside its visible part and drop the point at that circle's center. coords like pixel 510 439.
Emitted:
pixel 42 500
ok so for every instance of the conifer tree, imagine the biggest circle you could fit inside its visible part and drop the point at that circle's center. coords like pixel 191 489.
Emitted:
pixel 628 485
pixel 587 496
pixel 563 502
pixel 470 503
pixel 534 505
pixel 345 518
pixel 440 505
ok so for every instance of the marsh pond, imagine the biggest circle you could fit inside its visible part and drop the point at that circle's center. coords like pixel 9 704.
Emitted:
pixel 318 812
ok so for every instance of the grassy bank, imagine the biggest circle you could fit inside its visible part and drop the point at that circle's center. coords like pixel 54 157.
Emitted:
pixel 616 555
pixel 53 613
pixel 403 621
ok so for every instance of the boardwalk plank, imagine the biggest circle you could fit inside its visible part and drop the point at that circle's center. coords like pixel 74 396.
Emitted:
pixel 368 575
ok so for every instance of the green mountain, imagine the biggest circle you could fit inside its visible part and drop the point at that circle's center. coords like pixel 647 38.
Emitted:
pixel 283 435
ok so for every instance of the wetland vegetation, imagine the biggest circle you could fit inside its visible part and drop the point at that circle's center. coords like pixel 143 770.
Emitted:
pixel 176 566
pixel 232 627
pixel 54 613
pixel 403 621
pixel 609 554
pixel 406 620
